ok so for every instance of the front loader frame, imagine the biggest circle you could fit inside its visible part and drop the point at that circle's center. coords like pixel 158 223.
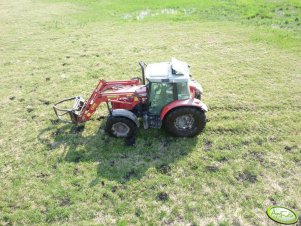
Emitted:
pixel 104 92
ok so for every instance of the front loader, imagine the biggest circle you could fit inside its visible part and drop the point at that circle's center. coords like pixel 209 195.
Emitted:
pixel 166 96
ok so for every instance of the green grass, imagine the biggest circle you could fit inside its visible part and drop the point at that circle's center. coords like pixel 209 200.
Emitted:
pixel 247 159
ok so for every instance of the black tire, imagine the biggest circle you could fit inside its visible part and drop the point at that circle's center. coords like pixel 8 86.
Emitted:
pixel 193 127
pixel 115 123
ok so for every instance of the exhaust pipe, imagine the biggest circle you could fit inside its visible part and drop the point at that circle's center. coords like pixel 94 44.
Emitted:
pixel 142 65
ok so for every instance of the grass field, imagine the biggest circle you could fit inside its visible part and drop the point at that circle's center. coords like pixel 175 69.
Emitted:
pixel 247 56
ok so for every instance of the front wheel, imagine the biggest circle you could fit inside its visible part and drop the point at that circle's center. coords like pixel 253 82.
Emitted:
pixel 185 122
pixel 120 127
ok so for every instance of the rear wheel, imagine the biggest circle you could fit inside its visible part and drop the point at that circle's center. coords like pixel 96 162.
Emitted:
pixel 185 122
pixel 120 127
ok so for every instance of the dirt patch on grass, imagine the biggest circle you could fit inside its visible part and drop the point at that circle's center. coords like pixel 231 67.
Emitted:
pixel 164 169
pixel 65 201
pixel 162 196
pixel 212 168
pixel 76 171
pixel 247 176
pixel 257 156
pixel 208 145
pixel 45 102
pixel 29 108
pixel 114 189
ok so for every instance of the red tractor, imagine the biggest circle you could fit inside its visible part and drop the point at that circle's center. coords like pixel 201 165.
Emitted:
pixel 169 99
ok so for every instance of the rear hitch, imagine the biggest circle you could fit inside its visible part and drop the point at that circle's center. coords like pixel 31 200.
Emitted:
pixel 73 113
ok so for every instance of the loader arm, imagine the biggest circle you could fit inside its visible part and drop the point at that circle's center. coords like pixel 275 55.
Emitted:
pixel 105 91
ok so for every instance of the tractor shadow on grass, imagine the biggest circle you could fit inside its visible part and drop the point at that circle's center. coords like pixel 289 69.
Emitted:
pixel 153 150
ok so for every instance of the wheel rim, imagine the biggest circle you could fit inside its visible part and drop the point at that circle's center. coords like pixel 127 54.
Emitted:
pixel 184 122
pixel 120 129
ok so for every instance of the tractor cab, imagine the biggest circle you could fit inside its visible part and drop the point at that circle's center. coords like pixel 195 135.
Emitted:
pixel 167 82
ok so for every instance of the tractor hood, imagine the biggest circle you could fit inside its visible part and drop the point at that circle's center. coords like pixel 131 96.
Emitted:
pixel 173 71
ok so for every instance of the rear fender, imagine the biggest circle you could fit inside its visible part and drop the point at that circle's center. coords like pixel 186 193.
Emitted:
pixel 127 114
pixel 183 103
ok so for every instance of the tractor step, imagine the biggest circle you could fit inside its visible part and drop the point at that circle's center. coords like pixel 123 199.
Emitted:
pixel 62 113
pixel 152 121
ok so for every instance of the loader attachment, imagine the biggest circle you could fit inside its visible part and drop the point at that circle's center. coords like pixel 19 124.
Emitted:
pixel 69 115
